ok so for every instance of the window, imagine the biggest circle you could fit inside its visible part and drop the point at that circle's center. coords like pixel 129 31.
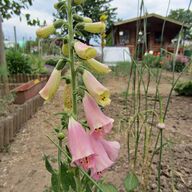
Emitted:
pixel 157 37
pixel 123 37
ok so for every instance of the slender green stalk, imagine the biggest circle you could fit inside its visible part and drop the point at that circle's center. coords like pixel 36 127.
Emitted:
pixel 160 160
pixel 59 166
pixel 71 55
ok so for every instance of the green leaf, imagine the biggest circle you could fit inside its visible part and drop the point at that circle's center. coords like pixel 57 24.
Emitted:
pixel 67 178
pixel 48 165
pixel 108 188
pixel 131 182
pixel 54 182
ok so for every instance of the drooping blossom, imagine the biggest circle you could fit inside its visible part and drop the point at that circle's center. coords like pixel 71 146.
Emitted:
pixel 80 145
pixel 96 89
pixel 52 85
pixel 98 122
pixel 102 161
pixel 112 148
pixel 98 67
pixel 84 51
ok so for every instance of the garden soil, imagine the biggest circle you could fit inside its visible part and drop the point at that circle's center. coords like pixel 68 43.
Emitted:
pixel 22 166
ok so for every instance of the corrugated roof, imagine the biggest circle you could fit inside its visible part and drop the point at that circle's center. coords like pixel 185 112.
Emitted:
pixel 148 16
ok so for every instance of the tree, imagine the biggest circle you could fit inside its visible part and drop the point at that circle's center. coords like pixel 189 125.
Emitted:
pixel 7 9
pixel 93 9
pixel 184 16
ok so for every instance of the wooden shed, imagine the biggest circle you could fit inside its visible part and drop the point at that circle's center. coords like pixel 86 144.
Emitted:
pixel 125 33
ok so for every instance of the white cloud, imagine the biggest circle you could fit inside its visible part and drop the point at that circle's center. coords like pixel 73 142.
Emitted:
pixel 44 10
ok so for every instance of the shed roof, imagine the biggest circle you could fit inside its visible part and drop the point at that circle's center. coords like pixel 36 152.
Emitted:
pixel 149 16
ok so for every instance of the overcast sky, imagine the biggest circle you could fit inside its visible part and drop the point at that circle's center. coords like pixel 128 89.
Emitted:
pixel 43 9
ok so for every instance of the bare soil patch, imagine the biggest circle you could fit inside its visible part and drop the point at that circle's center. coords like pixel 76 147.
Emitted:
pixel 22 166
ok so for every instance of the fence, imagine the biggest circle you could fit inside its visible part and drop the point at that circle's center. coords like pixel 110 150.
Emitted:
pixel 23 78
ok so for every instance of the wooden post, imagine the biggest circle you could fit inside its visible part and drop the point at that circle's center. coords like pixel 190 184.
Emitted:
pixel 15 36
pixel 6 132
pixel 1 134
pixel 3 65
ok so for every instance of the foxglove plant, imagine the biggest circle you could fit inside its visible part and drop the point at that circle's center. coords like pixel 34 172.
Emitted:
pixel 87 154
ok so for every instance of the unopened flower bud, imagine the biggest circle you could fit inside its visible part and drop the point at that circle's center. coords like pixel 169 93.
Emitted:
pixel 61 136
pixel 98 67
pixel 161 125
pixel 46 31
pixel 65 49
pixel 84 51
pixel 60 5
pixel 97 27
pixel 67 97
pixel 103 17
pixel 82 19
pixel 78 2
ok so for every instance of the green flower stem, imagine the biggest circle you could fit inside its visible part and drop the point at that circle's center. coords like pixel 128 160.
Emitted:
pixel 59 165
pixel 71 55
pixel 160 160
pixel 161 144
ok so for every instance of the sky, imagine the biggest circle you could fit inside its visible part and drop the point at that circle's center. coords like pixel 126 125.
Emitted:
pixel 43 9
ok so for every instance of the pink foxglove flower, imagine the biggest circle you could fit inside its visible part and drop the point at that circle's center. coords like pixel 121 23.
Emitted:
pixel 111 148
pixel 102 161
pixel 99 123
pixel 52 85
pixel 96 89
pixel 80 145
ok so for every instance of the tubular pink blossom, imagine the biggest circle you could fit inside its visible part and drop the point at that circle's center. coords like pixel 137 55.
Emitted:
pixel 102 161
pixel 96 89
pixel 99 123
pixel 80 145
pixel 112 148
pixel 52 85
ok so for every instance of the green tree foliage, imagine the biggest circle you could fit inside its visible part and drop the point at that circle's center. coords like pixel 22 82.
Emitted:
pixel 93 9
pixel 185 16
pixel 8 8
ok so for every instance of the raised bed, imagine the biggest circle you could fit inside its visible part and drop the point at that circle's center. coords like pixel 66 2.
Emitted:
pixel 11 124
pixel 28 90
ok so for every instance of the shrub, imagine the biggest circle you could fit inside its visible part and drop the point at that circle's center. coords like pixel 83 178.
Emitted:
pixel 181 62
pixel 52 62
pixel 151 60
pixel 18 62
pixel 38 64
pixel 184 88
